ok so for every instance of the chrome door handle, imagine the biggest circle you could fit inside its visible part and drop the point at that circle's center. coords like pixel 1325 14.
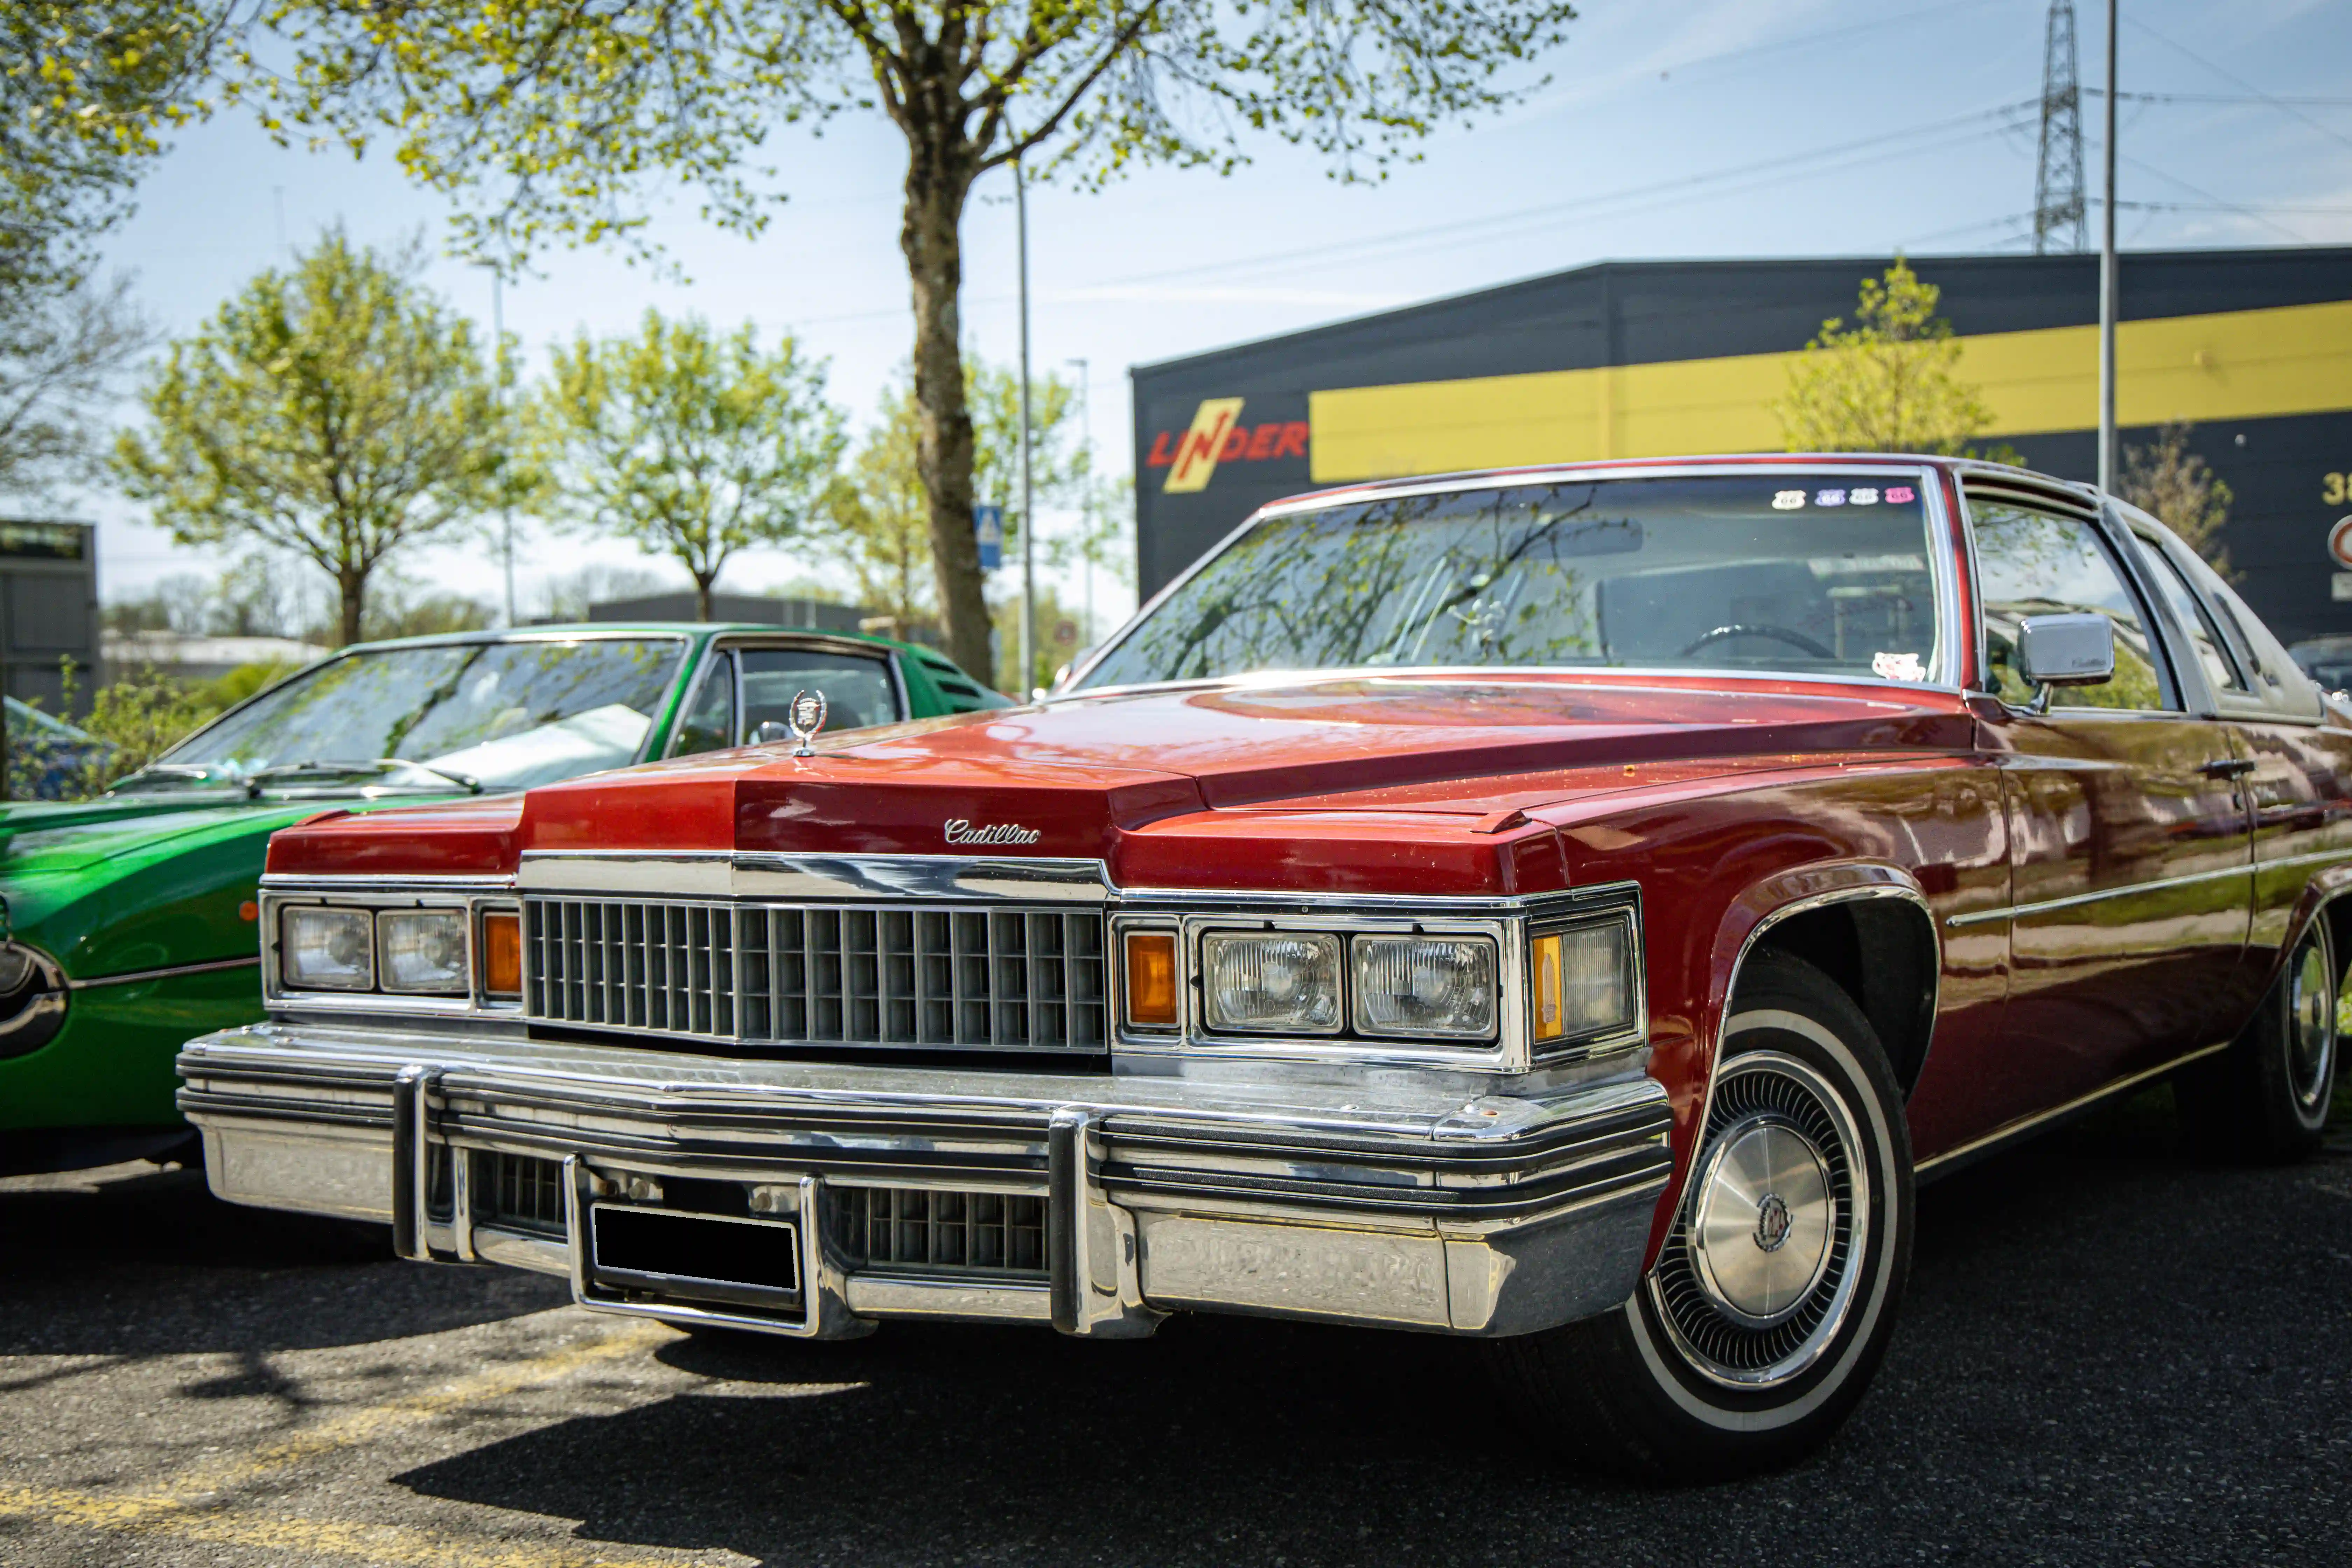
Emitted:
pixel 2228 768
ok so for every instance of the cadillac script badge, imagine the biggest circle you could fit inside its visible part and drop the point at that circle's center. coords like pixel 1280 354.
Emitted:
pixel 805 718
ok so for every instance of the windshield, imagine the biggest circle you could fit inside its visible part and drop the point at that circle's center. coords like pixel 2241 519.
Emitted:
pixel 504 715
pixel 1769 571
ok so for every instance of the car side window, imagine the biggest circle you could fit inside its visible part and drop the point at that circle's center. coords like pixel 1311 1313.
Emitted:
pixel 709 724
pixel 857 687
pixel 2212 655
pixel 2040 564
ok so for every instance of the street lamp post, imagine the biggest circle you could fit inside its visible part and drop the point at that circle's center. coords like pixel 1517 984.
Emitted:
pixel 2107 274
pixel 1028 507
pixel 498 388
pixel 1086 499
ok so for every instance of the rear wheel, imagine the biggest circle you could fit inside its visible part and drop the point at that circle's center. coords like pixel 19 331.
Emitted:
pixel 2266 1098
pixel 1773 1299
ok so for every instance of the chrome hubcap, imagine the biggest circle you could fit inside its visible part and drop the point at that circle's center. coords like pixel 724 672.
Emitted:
pixel 2310 1027
pixel 1761 1229
pixel 1763 1264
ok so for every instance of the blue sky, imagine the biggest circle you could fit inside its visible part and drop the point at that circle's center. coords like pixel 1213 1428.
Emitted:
pixel 1709 129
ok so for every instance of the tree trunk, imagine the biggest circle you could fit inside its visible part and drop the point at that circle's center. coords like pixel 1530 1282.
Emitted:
pixel 702 595
pixel 352 583
pixel 938 179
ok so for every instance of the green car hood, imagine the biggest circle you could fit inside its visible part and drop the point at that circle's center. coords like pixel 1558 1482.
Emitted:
pixel 42 837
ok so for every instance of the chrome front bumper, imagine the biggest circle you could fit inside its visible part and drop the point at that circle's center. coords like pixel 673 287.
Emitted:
pixel 1370 1202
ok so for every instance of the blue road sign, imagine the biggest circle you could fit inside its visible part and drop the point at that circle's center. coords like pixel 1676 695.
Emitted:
pixel 988 525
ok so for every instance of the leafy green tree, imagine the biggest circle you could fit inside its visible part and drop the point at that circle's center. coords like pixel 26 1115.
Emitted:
pixel 338 412
pixel 881 518
pixel 2165 478
pixel 688 444
pixel 88 90
pixel 555 121
pixel 1890 382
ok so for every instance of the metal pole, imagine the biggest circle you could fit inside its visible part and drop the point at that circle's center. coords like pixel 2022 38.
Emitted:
pixel 506 498
pixel 1087 501
pixel 2108 273
pixel 1028 509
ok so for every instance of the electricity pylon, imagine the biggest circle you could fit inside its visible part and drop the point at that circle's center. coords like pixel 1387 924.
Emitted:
pixel 2058 173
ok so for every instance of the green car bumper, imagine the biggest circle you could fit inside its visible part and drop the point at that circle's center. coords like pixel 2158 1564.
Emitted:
pixel 101 1087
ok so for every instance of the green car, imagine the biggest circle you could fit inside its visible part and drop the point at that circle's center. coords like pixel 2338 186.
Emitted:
pixel 127 923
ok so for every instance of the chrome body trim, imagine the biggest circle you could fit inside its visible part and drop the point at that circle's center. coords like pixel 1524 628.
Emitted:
pixel 1802 905
pixel 474 896
pixel 2133 890
pixel 2024 1127
pixel 135 976
pixel 1391 1201
pixel 750 874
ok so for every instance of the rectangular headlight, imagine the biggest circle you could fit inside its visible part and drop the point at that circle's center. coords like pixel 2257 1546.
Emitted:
pixel 1583 981
pixel 423 951
pixel 1271 982
pixel 326 949
pixel 1425 986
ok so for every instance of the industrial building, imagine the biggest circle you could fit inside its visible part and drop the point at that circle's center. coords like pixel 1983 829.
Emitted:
pixel 48 610
pixel 2252 349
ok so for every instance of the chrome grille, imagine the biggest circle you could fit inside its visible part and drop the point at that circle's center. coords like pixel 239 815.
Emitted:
pixel 520 1192
pixel 983 979
pixel 939 1230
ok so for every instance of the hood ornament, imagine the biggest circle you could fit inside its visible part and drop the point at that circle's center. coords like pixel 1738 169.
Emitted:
pixel 805 718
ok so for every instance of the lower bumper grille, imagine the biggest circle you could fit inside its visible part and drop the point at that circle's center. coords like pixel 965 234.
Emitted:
pixel 939 1230
pixel 519 1193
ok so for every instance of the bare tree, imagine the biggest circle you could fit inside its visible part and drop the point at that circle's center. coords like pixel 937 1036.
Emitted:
pixel 60 355
pixel 2167 480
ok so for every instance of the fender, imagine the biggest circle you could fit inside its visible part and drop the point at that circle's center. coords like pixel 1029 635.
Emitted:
pixel 2328 884
pixel 1752 913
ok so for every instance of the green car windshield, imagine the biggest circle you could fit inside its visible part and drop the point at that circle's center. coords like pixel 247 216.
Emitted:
pixel 1776 570
pixel 449 716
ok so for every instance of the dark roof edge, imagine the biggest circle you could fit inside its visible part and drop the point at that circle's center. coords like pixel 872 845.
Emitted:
pixel 1675 264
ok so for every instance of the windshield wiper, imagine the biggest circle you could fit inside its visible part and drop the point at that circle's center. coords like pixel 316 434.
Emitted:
pixel 194 773
pixel 330 768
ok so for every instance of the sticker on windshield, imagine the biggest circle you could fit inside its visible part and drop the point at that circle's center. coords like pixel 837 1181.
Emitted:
pixel 1829 498
pixel 1898 666
pixel 1788 500
pixel 1897 495
pixel 1862 497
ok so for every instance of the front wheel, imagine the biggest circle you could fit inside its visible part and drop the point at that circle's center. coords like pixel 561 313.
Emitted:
pixel 1774 1296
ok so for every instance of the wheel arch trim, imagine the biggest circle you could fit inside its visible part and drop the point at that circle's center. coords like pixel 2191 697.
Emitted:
pixel 1751 916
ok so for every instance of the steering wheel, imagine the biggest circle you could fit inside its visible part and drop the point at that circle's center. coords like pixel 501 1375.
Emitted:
pixel 1757 629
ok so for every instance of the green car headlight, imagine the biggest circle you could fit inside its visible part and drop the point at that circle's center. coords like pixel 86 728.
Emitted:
pixel 423 949
pixel 322 949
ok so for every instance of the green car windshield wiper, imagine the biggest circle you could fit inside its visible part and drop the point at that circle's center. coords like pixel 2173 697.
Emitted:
pixel 315 768
pixel 192 772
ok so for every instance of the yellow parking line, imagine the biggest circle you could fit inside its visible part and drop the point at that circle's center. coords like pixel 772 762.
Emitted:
pixel 362 1425
pixel 396 1543
pixel 183 1508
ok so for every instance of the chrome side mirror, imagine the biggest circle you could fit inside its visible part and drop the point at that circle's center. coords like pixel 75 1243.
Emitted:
pixel 2064 650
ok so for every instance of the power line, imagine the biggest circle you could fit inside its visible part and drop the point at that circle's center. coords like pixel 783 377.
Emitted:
pixel 2240 81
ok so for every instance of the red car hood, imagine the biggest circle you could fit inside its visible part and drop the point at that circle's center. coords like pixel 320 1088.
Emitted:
pixel 1070 778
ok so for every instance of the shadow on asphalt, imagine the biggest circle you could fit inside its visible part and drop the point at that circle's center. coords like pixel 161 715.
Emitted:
pixel 154 1265
pixel 2108 1353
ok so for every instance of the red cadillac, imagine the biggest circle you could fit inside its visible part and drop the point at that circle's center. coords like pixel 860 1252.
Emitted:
pixel 1572 907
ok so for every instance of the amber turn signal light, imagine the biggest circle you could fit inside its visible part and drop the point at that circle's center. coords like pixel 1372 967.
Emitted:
pixel 1151 979
pixel 502 953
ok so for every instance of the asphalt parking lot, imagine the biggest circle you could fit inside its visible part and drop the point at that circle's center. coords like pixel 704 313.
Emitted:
pixel 2109 1355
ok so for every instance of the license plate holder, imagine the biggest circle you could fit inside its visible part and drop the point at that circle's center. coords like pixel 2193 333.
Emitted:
pixel 678 1255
